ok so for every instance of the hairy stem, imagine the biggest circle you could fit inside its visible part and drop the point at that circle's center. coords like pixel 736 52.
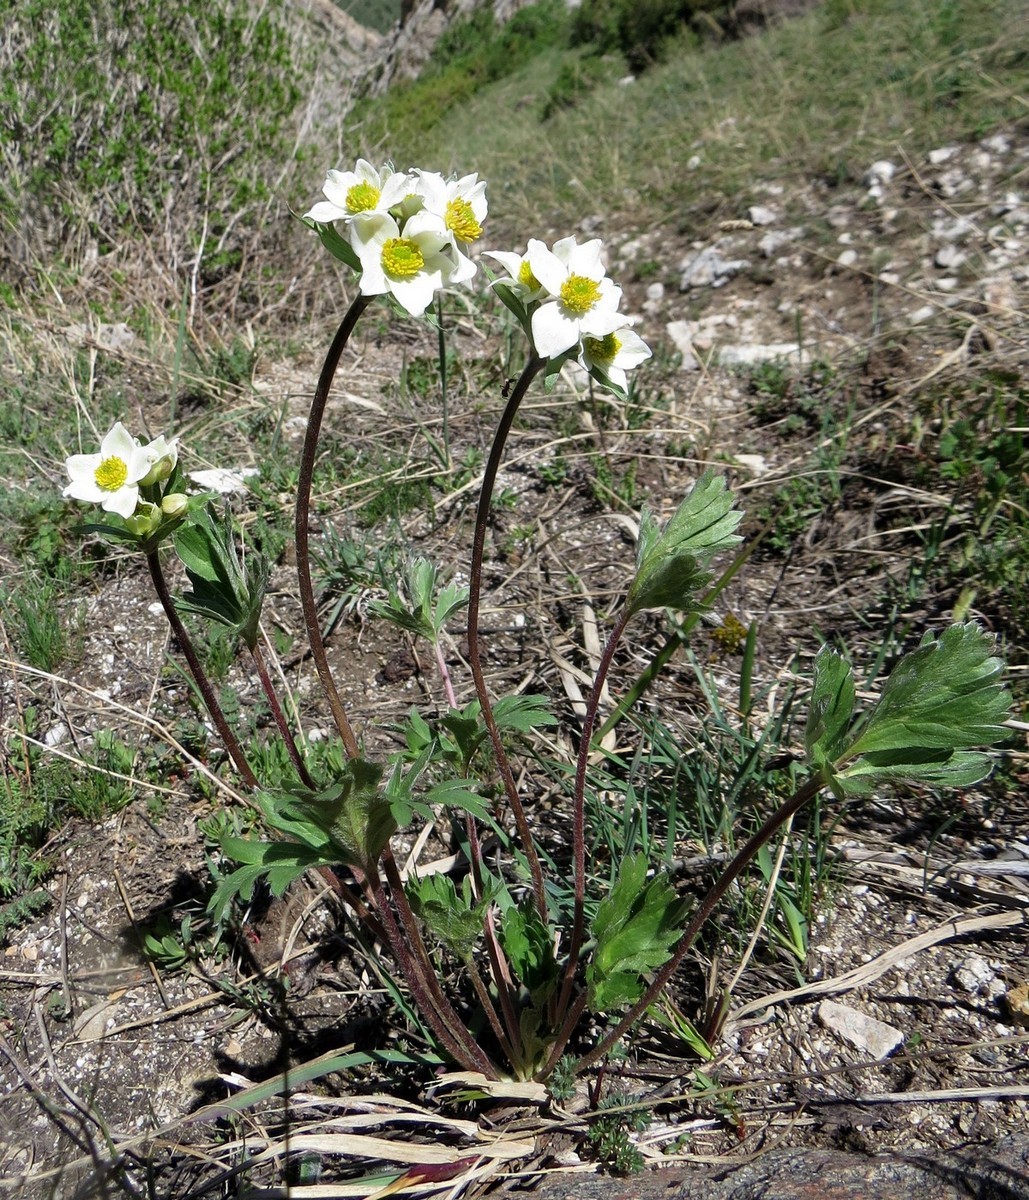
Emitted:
pixel 415 980
pixel 489 479
pixel 417 968
pixel 303 512
pixel 280 717
pixel 579 809
pixel 196 668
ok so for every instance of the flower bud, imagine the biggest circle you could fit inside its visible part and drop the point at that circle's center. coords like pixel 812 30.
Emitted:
pixel 144 520
pixel 175 505
pixel 162 455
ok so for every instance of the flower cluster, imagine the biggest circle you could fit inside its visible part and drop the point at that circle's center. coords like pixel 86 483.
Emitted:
pixel 140 484
pixel 569 308
pixel 407 232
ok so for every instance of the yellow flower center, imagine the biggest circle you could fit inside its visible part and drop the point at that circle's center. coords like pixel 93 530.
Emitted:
pixel 461 221
pixel 362 197
pixel 579 294
pixel 603 349
pixel 401 258
pixel 111 473
pixel 526 277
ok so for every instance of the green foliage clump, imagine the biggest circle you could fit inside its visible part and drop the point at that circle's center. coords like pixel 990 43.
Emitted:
pixel 141 117
pixel 472 53
pixel 639 29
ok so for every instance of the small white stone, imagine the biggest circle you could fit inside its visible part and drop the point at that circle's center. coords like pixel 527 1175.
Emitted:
pixel 754 463
pixel 771 243
pixel 942 154
pixel 974 975
pixel 949 256
pixel 999 143
pixel 923 314
pixel 866 1034
pixel 761 214
pixel 847 259
pixel 680 333
pixel 880 172
pixel 223 480
pixel 746 355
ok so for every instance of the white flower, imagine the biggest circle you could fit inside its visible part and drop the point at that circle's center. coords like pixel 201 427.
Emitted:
pixel 112 477
pixel 411 264
pixel 527 286
pixel 362 191
pixel 461 205
pixel 614 354
pixel 585 301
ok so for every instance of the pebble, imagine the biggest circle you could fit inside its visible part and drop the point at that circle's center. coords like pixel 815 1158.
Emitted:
pixel 866 1034
pixel 746 355
pixel 710 269
pixel 771 243
pixel 942 155
pixel 976 977
pixel 949 256
pixel 761 214
pixel 680 334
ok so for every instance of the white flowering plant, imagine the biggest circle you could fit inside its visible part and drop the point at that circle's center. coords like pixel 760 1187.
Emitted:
pixel 533 973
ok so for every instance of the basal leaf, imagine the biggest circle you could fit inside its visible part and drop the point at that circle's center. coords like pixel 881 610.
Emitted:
pixel 635 929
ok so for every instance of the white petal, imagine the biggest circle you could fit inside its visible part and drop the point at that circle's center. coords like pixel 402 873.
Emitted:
pixel 415 294
pixel 325 212
pixel 633 349
pixel 85 490
pixel 118 443
pixel 511 262
pixel 122 502
pixel 336 186
pixel 585 260
pixel 547 268
pixel 394 189
pixel 599 322
pixel 552 332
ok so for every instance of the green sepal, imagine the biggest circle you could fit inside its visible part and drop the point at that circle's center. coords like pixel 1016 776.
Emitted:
pixel 335 243
pixel 671 565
